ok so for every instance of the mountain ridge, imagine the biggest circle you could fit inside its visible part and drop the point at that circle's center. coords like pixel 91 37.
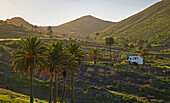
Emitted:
pixel 19 21
pixel 8 30
pixel 83 25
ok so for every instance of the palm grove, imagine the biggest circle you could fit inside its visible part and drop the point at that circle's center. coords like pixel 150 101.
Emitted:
pixel 34 56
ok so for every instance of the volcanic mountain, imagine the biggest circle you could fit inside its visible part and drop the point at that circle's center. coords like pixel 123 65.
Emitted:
pixel 18 21
pixel 81 26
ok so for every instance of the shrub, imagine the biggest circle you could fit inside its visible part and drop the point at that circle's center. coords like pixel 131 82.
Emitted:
pixel 106 57
pixel 131 46
pixel 2 48
pixel 12 44
pixel 134 63
pixel 117 65
pixel 125 62
pixel 140 47
pixel 154 57
pixel 124 56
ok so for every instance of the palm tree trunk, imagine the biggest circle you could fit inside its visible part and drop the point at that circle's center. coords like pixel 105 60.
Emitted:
pixel 72 88
pixel 56 87
pixel 64 86
pixel 51 85
pixel 94 59
pixel 31 84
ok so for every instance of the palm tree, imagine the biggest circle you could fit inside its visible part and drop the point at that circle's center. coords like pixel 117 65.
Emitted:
pixel 143 53
pixel 73 66
pixel 50 72
pixel 64 86
pixel 94 54
pixel 59 60
pixel 75 60
pixel 35 27
pixel 109 41
pixel 54 58
pixel 50 31
pixel 64 73
pixel 28 58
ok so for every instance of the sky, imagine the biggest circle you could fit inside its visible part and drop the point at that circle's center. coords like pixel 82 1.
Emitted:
pixel 56 12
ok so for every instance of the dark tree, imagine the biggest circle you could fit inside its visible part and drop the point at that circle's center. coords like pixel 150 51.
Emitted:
pixel 97 34
pixel 109 41
pixel 35 27
pixel 126 46
pixel 148 46
pixel 50 31
pixel 140 47
pixel 131 46
pixel 165 45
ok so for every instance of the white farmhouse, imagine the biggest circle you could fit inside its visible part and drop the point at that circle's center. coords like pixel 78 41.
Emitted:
pixel 136 59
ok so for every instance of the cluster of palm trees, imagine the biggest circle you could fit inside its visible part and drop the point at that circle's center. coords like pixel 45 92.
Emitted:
pixel 33 56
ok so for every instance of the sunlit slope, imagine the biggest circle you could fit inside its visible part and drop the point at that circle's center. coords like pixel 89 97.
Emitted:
pixel 12 31
pixel 81 26
pixel 84 25
pixel 152 24
pixel 7 96
pixel 18 21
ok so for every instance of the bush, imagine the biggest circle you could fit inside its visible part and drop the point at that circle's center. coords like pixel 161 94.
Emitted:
pixel 2 48
pixel 124 62
pixel 134 63
pixel 12 44
pixel 124 56
pixel 106 57
pixel 117 65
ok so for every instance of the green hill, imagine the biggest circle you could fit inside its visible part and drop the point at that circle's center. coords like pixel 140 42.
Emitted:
pixel 152 24
pixel 13 31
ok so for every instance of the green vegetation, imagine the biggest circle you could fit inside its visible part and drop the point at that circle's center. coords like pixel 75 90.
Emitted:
pixel 7 96
pixel 129 83
pixel 2 48
pixel 151 24
pixel 75 62
pixel 94 54
pixel 12 44
pixel 27 58
pixel 109 41
pixel 32 57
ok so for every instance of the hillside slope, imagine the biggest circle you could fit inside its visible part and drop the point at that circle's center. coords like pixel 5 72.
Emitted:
pixel 7 96
pixel 13 31
pixel 84 25
pixel 18 21
pixel 152 24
